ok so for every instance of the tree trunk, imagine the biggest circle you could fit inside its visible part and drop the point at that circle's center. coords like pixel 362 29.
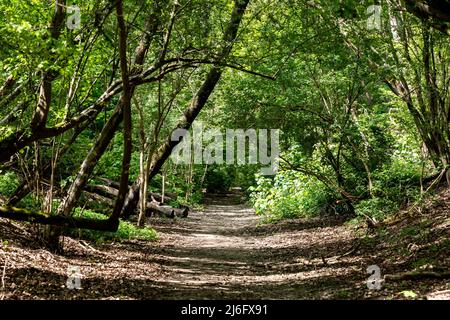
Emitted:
pixel 49 235
pixel 127 121
pixel 90 161
pixel 55 220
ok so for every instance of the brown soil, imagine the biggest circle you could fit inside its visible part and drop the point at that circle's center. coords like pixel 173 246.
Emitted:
pixel 224 252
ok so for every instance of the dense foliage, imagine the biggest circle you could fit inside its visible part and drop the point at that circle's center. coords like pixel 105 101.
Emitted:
pixel 361 100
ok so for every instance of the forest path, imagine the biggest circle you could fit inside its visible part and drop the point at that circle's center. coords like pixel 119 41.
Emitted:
pixel 222 252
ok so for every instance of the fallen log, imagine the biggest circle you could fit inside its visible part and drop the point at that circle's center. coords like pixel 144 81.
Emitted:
pixel 158 197
pixel 92 196
pixel 105 194
pixel 167 211
pixel 105 191
pixel 93 199
pixel 63 221
pixel 110 184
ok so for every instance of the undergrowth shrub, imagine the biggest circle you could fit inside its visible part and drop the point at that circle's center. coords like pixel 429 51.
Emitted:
pixel 8 182
pixel 394 186
pixel 288 195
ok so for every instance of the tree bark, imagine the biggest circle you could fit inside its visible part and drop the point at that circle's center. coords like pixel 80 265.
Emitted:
pixel 127 122
pixel 6 87
pixel 45 91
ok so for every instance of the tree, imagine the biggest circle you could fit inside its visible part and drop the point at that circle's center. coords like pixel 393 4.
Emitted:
pixel 131 77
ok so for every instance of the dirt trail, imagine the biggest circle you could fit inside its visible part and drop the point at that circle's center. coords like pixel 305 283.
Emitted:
pixel 220 253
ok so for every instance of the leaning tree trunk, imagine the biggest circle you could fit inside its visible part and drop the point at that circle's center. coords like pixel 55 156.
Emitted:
pixel 127 121
pixel 49 234
pixel 197 104
pixel 90 161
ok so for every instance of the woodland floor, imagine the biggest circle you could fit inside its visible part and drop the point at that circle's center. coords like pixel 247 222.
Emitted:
pixel 224 252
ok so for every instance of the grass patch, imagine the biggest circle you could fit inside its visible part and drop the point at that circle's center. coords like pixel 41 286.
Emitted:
pixel 126 229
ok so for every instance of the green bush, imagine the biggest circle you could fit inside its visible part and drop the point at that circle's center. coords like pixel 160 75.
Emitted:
pixel 394 186
pixel 8 183
pixel 377 208
pixel 289 195
pixel 110 164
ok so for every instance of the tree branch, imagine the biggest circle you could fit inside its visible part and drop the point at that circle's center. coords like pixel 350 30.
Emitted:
pixel 48 219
